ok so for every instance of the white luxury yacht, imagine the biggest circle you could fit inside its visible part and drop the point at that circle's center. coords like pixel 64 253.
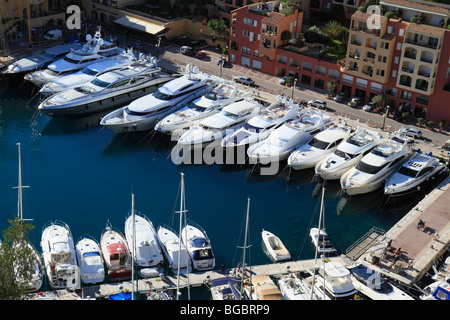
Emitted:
pixel 319 147
pixel 332 281
pixel 40 60
pixel 59 256
pixel 347 154
pixel 210 103
pixel 90 260
pixel 109 90
pixel 283 140
pixel 413 174
pixel 94 50
pixel 141 236
pixel 199 247
pixel 174 250
pixel 211 130
pixel 261 126
pixel 375 167
pixel 87 74
pixel 142 114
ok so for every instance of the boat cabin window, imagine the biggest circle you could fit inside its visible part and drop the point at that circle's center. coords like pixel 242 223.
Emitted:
pixel 109 53
pixel 100 83
pixel 319 144
pixel 396 161
pixel 408 171
pixel 118 84
pixel 344 155
pixel 89 72
pixel 425 171
pixel 370 169
pixel 195 107
pixel 228 114
pixel 203 254
pixel 48 55
pixel 137 80
pixel 251 128
pixel 71 60
pixel 161 96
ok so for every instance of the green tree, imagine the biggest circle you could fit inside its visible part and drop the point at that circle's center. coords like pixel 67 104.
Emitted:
pixel 217 28
pixel 16 260
pixel 334 30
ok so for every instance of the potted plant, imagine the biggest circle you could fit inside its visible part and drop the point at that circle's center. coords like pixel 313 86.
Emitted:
pixel 405 116
pixel 442 125
pixel 420 122
pixel 430 124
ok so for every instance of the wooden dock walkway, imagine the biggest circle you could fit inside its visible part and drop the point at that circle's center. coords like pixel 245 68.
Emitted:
pixel 419 248
pixel 195 279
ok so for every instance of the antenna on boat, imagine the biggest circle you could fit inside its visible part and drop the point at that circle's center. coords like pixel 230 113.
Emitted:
pixel 134 247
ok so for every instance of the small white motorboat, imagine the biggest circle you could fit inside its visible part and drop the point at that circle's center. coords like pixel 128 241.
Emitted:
pixel 294 287
pixel 116 254
pixel 90 260
pixel 199 247
pixel 174 250
pixel 321 241
pixel 275 248
pixel 141 235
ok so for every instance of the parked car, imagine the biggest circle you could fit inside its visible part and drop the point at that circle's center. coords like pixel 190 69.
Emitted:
pixel 200 55
pixel 356 101
pixel 286 81
pixel 283 80
pixel 445 150
pixel 369 107
pixel 221 61
pixel 317 103
pixel 188 51
pixel 244 80
pixel 413 132
pixel 339 97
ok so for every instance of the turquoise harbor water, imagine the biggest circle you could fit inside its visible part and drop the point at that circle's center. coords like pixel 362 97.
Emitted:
pixel 84 175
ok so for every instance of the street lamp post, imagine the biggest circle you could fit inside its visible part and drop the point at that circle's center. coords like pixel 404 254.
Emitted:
pixel 293 87
pixel 384 116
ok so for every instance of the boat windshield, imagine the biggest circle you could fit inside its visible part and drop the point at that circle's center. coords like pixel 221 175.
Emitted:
pixel 408 172
pixel 251 128
pixel 71 60
pixel 100 83
pixel 370 169
pixel 161 96
pixel 344 155
pixel 89 71
pixel 213 96
pixel 319 144
pixel 229 114
pixel 196 107
pixel 358 140
pixel 200 243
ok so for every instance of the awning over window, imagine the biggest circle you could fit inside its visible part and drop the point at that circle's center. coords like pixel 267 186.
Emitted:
pixel 140 25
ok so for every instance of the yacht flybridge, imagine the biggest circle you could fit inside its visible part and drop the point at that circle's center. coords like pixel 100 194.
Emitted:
pixel 348 154
pixel 87 74
pixel 142 114
pixel 376 166
pixel 95 49
pixel 210 103
pixel 107 91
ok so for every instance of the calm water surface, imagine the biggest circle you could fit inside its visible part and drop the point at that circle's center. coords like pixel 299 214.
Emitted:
pixel 84 176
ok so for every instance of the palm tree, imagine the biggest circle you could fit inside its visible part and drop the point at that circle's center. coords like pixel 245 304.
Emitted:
pixel 333 29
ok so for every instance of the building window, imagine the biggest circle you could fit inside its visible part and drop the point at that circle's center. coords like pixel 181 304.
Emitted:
pixel 246 50
pixel 406 95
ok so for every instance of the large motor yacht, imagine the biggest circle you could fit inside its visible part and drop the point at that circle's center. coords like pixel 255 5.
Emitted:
pixel 87 74
pixel 320 146
pixel 413 174
pixel 292 134
pixel 59 256
pixel 211 103
pixel 376 166
pixel 261 126
pixel 108 91
pixel 347 154
pixel 142 114
pixel 210 131
pixel 39 60
pixel 95 49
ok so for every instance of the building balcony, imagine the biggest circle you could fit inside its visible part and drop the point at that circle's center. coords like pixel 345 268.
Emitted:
pixel 422 44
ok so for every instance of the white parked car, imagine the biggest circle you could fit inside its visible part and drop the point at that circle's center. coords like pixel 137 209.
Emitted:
pixel 317 103
pixel 244 80
pixel 413 132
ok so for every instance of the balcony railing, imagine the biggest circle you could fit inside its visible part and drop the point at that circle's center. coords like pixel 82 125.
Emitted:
pixel 422 44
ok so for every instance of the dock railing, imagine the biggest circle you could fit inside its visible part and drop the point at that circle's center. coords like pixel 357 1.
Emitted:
pixel 359 247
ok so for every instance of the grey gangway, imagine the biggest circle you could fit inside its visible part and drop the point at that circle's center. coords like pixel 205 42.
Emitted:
pixel 357 249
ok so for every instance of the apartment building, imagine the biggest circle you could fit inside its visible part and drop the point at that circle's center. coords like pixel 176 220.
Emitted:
pixel 406 61
pixel 257 30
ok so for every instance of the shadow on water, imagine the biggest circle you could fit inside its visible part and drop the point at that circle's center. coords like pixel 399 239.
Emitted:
pixel 125 142
pixel 64 125
pixel 258 173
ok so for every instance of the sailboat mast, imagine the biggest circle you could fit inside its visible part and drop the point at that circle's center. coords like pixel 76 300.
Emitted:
pixel 134 246
pixel 20 188
pixel 317 246
pixel 179 244
pixel 245 249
